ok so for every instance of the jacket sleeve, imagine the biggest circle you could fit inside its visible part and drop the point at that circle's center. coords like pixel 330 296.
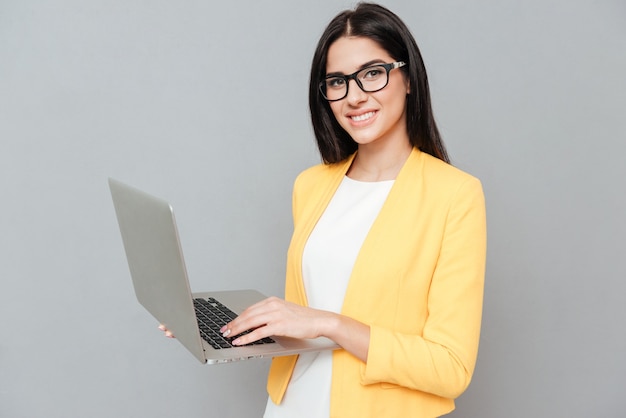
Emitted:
pixel 441 359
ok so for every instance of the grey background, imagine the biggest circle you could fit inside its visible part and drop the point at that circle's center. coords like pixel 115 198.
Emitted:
pixel 204 103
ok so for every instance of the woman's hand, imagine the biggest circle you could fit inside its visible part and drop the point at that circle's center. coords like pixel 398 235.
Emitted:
pixel 275 316
pixel 167 332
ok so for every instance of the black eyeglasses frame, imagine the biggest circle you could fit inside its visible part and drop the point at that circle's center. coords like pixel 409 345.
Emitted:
pixel 388 67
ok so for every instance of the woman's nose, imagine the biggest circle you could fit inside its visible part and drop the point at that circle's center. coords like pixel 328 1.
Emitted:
pixel 355 94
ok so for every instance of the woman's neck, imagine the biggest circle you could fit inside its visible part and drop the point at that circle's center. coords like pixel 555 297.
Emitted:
pixel 373 163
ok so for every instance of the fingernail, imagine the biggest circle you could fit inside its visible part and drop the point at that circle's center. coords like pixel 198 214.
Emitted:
pixel 226 333
pixel 223 329
pixel 236 342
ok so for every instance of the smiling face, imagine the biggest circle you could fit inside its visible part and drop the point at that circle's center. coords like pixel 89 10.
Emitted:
pixel 377 118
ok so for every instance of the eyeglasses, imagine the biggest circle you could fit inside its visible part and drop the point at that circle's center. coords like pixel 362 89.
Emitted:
pixel 369 79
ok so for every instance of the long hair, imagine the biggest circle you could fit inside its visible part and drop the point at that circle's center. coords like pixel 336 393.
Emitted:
pixel 379 24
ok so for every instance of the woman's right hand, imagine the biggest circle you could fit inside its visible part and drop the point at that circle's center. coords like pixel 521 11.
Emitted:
pixel 167 332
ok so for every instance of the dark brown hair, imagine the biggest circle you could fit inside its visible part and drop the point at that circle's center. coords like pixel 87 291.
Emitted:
pixel 379 24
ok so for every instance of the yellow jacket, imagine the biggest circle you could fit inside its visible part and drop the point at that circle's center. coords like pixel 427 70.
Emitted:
pixel 417 282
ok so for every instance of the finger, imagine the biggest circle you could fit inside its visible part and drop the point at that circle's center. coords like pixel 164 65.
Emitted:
pixel 241 325
pixel 167 332
pixel 255 335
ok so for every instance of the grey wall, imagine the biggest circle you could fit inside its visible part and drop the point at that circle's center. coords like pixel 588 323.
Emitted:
pixel 204 103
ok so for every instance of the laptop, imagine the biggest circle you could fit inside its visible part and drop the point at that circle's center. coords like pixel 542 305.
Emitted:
pixel 159 277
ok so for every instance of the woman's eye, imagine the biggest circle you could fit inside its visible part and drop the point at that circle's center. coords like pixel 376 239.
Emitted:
pixel 373 72
pixel 335 83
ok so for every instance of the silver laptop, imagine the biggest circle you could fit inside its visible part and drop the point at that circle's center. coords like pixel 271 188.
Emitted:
pixel 159 276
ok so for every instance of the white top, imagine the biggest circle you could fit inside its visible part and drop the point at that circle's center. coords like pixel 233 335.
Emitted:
pixel 327 262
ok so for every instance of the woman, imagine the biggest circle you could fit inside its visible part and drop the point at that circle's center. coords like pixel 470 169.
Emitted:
pixel 388 251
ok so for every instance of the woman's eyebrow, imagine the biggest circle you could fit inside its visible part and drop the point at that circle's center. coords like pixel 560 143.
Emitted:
pixel 365 65
pixel 372 62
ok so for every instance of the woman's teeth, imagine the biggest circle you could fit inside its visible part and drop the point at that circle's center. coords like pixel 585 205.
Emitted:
pixel 362 117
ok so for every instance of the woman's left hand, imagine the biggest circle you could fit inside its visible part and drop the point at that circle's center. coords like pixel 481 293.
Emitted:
pixel 275 316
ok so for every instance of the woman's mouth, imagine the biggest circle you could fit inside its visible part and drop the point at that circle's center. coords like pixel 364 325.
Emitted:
pixel 362 117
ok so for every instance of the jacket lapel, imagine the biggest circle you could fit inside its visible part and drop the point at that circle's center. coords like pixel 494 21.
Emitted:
pixel 382 250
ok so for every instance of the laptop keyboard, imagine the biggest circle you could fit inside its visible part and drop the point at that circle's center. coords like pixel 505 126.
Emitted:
pixel 212 316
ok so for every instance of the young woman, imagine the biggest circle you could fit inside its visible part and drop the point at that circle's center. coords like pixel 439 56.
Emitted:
pixel 388 251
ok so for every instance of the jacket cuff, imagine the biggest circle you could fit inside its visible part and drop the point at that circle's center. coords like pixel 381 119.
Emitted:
pixel 378 362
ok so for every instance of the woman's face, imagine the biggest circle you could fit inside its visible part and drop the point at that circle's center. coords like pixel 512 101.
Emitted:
pixel 369 118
